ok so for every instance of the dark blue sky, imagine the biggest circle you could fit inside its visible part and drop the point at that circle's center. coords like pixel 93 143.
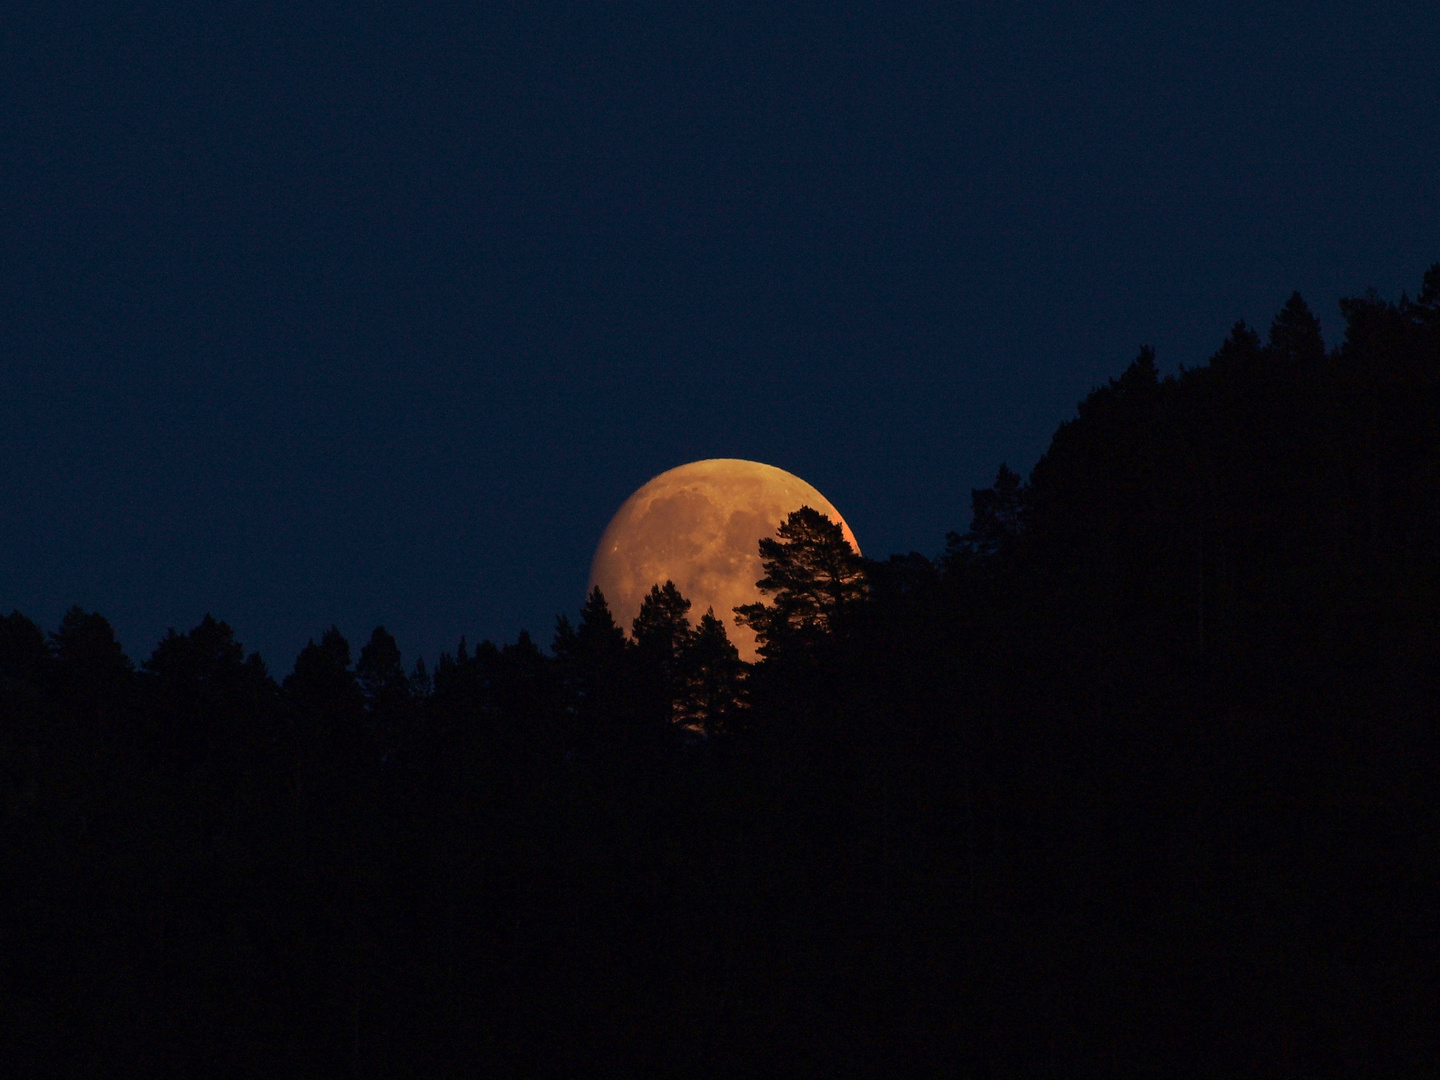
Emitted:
pixel 376 312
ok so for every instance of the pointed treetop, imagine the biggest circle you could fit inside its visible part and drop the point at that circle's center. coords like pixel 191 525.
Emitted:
pixel 1239 350
pixel 1142 373
pixel 207 652
pixel 1430 288
pixel 22 648
pixel 813 574
pixel 662 623
pixel 86 641
pixel 381 669
pixel 710 642
pixel 1295 333
pixel 997 515
pixel 598 629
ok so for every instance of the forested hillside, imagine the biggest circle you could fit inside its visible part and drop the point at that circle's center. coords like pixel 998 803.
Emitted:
pixel 1138 775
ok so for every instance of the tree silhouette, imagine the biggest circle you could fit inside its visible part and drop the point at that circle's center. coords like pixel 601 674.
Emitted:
pixel 1295 333
pixel 1239 353
pixel 814 577
pixel 421 685
pixel 1154 737
pixel 93 674
pixel 326 699
pixel 594 662
pixel 380 671
pixel 205 692
pixel 24 658
pixel 997 517
pixel 711 678
pixel 662 632
pixel 1425 309
pixel 662 627
pixel 526 697
pixel 25 720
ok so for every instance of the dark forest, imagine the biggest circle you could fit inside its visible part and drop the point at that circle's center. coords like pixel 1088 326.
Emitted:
pixel 1137 776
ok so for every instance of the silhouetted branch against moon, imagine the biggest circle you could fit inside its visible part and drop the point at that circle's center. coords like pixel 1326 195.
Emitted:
pixel 700 526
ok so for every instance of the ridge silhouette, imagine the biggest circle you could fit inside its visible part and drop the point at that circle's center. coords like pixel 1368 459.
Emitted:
pixel 1136 773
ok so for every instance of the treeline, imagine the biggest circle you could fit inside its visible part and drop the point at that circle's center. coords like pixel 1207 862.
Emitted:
pixel 1137 775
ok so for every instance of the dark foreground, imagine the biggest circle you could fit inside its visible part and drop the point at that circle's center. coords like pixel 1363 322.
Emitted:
pixel 1139 778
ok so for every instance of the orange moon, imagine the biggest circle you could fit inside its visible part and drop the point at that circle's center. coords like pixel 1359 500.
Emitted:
pixel 700 526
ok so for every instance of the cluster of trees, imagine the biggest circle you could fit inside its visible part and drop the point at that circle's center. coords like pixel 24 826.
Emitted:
pixel 1138 772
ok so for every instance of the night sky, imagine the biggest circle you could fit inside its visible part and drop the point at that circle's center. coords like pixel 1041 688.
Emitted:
pixel 375 313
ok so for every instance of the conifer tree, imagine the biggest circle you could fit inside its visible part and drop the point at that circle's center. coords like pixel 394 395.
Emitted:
pixel 1295 333
pixel 814 576
pixel 24 658
pixel 712 678
pixel 380 671
pixel 662 631
pixel 93 673
pixel 593 660
pixel 323 683
pixel 998 515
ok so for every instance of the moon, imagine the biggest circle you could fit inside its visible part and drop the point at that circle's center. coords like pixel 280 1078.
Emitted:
pixel 700 526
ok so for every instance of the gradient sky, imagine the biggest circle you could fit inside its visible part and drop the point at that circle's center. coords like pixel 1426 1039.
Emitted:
pixel 376 312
